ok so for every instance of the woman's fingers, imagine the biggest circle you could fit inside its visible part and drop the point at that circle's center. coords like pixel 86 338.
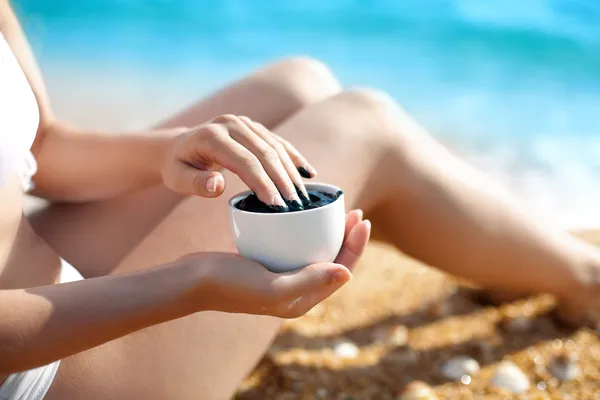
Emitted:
pixel 215 141
pixel 297 283
pixel 245 134
pixel 354 244
pixel 353 217
pixel 187 180
pixel 287 162
pixel 270 166
pixel 304 168
pixel 302 289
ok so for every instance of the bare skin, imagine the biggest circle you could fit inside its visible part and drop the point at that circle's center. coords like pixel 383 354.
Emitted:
pixel 424 200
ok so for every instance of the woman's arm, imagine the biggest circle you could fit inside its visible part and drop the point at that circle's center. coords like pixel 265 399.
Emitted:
pixel 81 165
pixel 44 324
pixel 85 165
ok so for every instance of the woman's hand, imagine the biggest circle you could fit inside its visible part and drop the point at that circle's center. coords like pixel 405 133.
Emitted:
pixel 232 284
pixel 269 165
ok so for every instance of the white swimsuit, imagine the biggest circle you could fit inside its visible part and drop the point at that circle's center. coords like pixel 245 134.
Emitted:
pixel 19 120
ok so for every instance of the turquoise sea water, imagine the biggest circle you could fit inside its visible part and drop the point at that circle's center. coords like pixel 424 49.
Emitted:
pixel 513 85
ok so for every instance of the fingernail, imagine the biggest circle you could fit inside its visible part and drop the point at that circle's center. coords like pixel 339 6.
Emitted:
pixel 279 204
pixel 211 184
pixel 295 205
pixel 303 196
pixel 360 214
pixel 278 200
pixel 304 173
pixel 277 209
pixel 337 277
pixel 301 191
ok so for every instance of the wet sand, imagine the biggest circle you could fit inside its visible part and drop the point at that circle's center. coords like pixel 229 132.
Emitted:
pixel 442 318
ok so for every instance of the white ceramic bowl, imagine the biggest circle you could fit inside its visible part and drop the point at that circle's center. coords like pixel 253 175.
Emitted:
pixel 287 241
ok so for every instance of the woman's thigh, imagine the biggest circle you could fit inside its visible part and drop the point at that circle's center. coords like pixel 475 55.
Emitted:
pixel 206 355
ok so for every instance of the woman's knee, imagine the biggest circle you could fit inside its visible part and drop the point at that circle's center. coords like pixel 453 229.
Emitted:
pixel 380 113
pixel 304 80
pixel 387 118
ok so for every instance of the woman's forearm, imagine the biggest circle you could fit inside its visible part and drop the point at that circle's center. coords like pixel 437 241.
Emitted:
pixel 44 324
pixel 84 165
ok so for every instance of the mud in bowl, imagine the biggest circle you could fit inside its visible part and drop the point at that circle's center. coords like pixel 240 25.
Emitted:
pixel 284 241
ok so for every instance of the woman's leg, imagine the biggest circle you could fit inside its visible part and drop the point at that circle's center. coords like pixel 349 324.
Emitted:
pixel 436 208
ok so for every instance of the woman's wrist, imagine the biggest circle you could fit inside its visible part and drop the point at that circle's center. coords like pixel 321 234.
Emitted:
pixel 176 289
pixel 192 275
pixel 160 145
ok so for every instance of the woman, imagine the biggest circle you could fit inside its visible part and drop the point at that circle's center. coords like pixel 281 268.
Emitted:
pixel 132 205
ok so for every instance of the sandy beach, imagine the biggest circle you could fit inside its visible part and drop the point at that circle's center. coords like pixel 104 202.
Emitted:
pixel 406 320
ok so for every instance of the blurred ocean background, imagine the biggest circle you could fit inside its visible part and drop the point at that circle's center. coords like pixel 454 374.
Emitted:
pixel 513 86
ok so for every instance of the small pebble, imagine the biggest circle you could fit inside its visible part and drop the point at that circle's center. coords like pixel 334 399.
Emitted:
pixel 510 377
pixel 322 393
pixel 417 391
pixel 465 379
pixel 457 367
pixel 565 368
pixel 396 335
pixel 541 386
pixel 346 349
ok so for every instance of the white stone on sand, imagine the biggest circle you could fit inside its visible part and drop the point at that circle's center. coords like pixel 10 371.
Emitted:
pixel 396 335
pixel 510 377
pixel 565 367
pixel 417 391
pixel 346 349
pixel 459 366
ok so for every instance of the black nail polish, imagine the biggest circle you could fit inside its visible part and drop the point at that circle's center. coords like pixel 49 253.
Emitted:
pixel 304 173
pixel 293 205
pixel 277 209
pixel 305 200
